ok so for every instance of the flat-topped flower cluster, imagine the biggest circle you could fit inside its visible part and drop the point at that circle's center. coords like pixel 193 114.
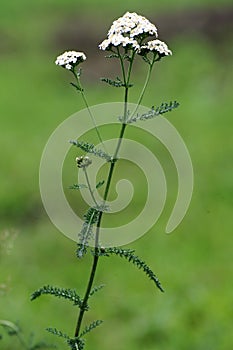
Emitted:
pixel 129 31
pixel 70 59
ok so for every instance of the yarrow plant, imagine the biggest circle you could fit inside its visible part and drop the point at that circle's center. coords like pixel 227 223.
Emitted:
pixel 129 37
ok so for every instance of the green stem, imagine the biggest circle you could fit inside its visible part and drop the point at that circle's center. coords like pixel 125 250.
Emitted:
pixel 145 84
pixel 89 186
pixel 77 78
pixel 144 88
pixel 106 192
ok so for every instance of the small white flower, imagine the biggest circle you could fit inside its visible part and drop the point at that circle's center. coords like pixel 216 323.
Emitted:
pixel 126 30
pixel 117 40
pixel 155 46
pixel 132 24
pixel 70 59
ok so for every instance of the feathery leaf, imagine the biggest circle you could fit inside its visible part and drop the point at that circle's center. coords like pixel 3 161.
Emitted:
pixel 90 327
pixel 153 112
pixel 90 148
pixel 55 331
pixel 77 186
pixel 99 184
pixel 69 294
pixel 96 289
pixel 129 255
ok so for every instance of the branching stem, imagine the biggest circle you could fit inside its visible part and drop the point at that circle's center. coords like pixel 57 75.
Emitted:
pixel 106 192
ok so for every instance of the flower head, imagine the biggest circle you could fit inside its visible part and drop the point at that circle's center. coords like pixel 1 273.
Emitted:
pixel 156 46
pixel 133 25
pixel 70 59
pixel 127 30
pixel 117 40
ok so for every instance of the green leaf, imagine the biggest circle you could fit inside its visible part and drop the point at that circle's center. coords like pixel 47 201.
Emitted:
pixel 77 186
pixel 90 327
pixel 129 255
pixel 116 83
pixel 113 55
pixel 153 112
pixel 90 148
pixel 60 334
pixel 69 294
pixel 99 184
pixel 96 289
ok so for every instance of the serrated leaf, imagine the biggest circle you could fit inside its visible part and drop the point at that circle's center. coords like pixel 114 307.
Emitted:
pixel 90 148
pixel 96 289
pixel 129 255
pixel 113 55
pixel 77 186
pixel 116 83
pixel 99 184
pixel 91 326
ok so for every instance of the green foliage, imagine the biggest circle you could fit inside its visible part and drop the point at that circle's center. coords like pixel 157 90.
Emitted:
pixel 90 218
pixel 153 112
pixel 129 255
pixel 90 148
pixel 69 294
pixel 58 333
pixel 99 184
pixel 77 186
pixel 113 55
pixel 90 327
pixel 78 88
pixel 74 343
pixel 116 83
pixel 96 289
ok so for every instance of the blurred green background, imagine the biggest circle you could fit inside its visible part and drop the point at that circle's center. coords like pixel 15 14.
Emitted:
pixel 195 262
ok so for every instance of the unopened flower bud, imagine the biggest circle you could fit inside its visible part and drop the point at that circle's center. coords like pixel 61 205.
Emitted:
pixel 83 162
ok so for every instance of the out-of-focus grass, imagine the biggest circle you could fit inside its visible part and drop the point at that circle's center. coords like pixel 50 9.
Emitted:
pixel 194 263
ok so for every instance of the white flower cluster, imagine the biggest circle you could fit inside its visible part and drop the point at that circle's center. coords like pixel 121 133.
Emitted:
pixel 132 24
pixel 70 59
pixel 156 46
pixel 126 29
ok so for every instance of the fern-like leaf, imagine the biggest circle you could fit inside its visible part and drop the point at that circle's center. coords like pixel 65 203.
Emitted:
pixel 129 255
pixel 90 327
pixel 90 148
pixel 116 83
pixel 58 333
pixel 96 289
pixel 113 55
pixel 74 343
pixel 77 186
pixel 153 112
pixel 99 184
pixel 90 218
pixel 69 294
